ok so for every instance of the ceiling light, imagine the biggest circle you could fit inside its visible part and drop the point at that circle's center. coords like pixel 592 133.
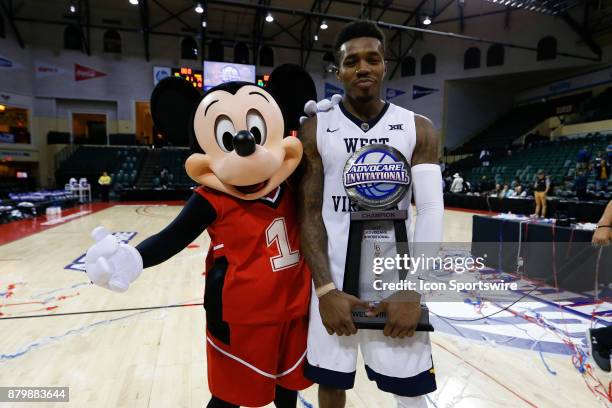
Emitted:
pixel 324 25
pixel 427 20
pixel 72 8
pixel 316 37
pixel 269 18
pixel 134 2
pixel 204 23
pixel 199 9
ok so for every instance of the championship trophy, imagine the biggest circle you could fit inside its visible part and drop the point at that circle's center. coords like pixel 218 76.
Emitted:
pixel 376 178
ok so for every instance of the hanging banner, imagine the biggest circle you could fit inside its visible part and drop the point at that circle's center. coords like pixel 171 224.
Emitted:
pixel 331 90
pixel 6 63
pixel 160 73
pixel 597 77
pixel 393 93
pixel 43 70
pixel 421 91
pixel 82 73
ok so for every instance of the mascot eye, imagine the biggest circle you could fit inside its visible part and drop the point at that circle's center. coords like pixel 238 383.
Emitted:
pixel 257 126
pixel 224 132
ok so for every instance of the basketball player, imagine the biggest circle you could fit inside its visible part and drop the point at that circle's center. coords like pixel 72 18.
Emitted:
pixel 398 359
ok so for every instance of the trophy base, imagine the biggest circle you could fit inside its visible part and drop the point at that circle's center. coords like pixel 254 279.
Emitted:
pixel 378 322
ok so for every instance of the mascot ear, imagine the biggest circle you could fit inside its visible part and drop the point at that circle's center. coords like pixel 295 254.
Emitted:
pixel 173 102
pixel 292 87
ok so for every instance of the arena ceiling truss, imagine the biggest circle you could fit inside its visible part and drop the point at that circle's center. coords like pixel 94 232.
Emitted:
pixel 307 26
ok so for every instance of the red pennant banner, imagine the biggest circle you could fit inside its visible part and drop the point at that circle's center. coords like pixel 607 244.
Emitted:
pixel 82 73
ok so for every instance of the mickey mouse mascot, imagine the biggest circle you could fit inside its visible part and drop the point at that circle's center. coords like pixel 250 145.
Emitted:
pixel 257 283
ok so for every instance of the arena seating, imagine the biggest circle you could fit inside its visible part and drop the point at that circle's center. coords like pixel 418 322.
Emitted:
pixel 121 163
pixel 174 161
pixel 130 161
pixel 556 158
pixel 131 168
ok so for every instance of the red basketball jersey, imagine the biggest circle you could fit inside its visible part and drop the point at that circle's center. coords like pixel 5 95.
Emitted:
pixel 267 279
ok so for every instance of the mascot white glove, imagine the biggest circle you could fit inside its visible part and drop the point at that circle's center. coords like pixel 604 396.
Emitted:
pixel 312 108
pixel 111 264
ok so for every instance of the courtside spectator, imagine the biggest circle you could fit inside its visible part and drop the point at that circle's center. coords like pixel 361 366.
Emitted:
pixel 581 183
pixel 517 192
pixel 448 181
pixel 504 192
pixel 485 185
pixel 583 158
pixel 467 186
pixel 164 178
pixel 541 188
pixel 105 182
pixel 497 191
pixel 457 186
pixel 601 168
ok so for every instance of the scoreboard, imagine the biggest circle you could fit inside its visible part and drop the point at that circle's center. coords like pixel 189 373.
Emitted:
pixel 194 76
pixel 262 80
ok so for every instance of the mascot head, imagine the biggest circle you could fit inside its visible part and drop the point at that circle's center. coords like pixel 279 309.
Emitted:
pixel 239 132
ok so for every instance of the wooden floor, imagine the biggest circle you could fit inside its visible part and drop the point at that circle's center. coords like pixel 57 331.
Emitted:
pixel 156 358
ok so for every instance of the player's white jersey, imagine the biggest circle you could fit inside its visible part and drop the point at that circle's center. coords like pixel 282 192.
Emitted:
pixel 339 135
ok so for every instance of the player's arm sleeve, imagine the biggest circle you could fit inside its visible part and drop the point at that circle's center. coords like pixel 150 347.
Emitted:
pixel 428 197
pixel 197 214
pixel 429 201
pixel 428 231
pixel 427 183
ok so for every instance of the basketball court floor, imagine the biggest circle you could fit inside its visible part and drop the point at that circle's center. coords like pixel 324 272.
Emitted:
pixel 133 350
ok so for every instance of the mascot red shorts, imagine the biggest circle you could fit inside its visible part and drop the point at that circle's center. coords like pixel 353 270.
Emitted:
pixel 246 371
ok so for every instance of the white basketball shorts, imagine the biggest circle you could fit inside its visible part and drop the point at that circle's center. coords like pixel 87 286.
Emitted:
pixel 402 367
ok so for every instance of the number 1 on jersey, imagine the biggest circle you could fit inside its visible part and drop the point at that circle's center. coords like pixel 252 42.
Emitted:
pixel 277 232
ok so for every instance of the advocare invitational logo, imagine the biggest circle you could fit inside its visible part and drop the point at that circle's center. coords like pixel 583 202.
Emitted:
pixel 376 177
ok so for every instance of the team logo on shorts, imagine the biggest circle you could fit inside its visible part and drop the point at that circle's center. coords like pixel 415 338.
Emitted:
pixel 376 177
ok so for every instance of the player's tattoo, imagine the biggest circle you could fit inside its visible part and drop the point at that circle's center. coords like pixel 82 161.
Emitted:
pixel 426 148
pixel 313 235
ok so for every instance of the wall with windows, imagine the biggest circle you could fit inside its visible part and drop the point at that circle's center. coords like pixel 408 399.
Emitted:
pixel 471 60
pixel 117 75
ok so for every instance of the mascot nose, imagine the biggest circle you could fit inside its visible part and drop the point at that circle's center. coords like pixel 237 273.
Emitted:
pixel 244 143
